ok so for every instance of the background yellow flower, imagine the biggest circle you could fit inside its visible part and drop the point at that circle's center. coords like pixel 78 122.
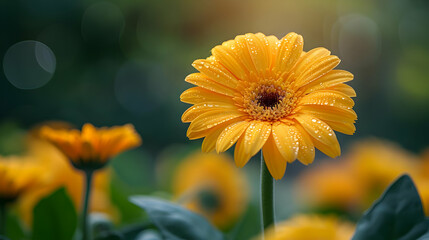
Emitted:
pixel 92 147
pixel 312 227
pixel 17 176
pixel 60 173
pixel 212 186
pixel 259 92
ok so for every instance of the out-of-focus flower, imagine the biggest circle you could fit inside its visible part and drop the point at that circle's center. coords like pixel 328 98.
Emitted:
pixel 92 148
pixel 17 176
pixel 331 185
pixel 263 93
pixel 312 227
pixel 361 178
pixel 60 173
pixel 210 185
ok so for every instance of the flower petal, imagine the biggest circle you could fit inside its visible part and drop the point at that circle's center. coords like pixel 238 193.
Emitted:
pixel 215 72
pixel 191 113
pixel 211 119
pixel 328 113
pixel 346 128
pixel 198 95
pixel 343 88
pixel 286 138
pixel 332 78
pixel 321 133
pixel 258 52
pixel 255 136
pixel 208 83
pixel 327 98
pixel 230 135
pixel 274 160
pixel 316 70
pixel 309 58
pixel 289 51
pixel 228 58
pixel 306 150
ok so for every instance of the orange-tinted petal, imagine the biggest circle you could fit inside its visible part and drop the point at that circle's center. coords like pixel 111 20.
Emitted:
pixel 289 51
pixel 209 84
pixel 199 95
pixel 191 113
pixel 332 78
pixel 230 135
pixel 258 52
pixel 274 160
pixel 321 133
pixel 327 98
pixel 343 88
pixel 286 138
pixel 215 72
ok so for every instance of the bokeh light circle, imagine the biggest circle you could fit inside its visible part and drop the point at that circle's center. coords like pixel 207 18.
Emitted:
pixel 29 64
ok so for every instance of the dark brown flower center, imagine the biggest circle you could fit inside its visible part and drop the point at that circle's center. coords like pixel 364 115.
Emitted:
pixel 269 99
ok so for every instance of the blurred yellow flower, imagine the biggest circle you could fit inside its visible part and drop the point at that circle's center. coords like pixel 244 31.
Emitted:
pixel 331 185
pixel 17 176
pixel 60 173
pixel 263 93
pixel 210 185
pixel 312 227
pixel 92 147
pixel 361 178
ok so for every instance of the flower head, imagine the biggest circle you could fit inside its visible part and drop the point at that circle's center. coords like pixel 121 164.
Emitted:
pixel 17 176
pixel 210 185
pixel 92 147
pixel 259 92
pixel 310 227
pixel 59 173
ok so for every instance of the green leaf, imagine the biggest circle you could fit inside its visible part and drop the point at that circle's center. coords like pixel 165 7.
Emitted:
pixel 398 214
pixel 54 217
pixel 175 222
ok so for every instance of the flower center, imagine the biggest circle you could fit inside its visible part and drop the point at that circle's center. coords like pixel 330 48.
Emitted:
pixel 268 100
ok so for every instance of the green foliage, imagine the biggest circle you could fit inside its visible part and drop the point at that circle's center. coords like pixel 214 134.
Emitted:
pixel 175 222
pixel 14 229
pixel 54 217
pixel 398 214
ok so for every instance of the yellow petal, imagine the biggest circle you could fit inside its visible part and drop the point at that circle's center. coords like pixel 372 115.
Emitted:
pixel 327 98
pixel 316 70
pixel 309 58
pixel 230 135
pixel 289 51
pixel 286 138
pixel 255 136
pixel 274 160
pixel 211 119
pixel 321 133
pixel 209 84
pixel 191 113
pixel 346 128
pixel 306 150
pixel 209 142
pixel 332 78
pixel 243 53
pixel 240 156
pixel 199 95
pixel 215 72
pixel 343 88
pixel 272 46
pixel 227 56
pixel 328 113
pixel 258 52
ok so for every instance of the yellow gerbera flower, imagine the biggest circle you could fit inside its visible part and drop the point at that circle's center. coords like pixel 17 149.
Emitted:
pixel 59 173
pixel 311 227
pixel 17 175
pixel 92 147
pixel 210 185
pixel 263 93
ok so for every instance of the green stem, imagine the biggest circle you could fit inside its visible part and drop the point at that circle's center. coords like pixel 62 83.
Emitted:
pixel 267 196
pixel 3 216
pixel 88 181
